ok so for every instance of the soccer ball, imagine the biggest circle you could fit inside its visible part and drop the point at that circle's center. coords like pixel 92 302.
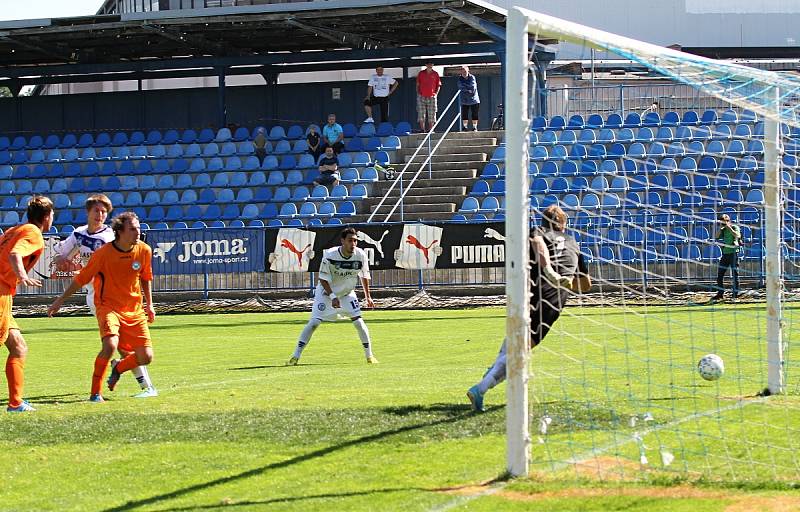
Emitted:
pixel 711 367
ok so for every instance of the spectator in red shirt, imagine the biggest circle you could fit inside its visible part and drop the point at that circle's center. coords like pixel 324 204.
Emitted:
pixel 428 85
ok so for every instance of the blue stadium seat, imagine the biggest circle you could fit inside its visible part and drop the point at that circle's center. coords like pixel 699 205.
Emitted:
pixel 671 119
pixel 735 148
pixel 651 119
pixel 709 117
pixel 156 214
pixel 357 193
pixel 594 121
pixel 366 130
pixel 578 184
pixel 136 139
pixel 613 121
pixel 58 185
pixel 632 120
pixel 664 134
pixel 210 149
pixel 37 156
pixel 470 205
pixel 282 147
pixel 729 117
pixel 288 211
pixel 270 163
pixel 539 153
pixel 402 128
pixel 590 202
pixel 188 197
pixel 307 210
pixel 368 175
pixel 306 161
pixel 605 136
pixel 384 129
pixel 294 177
pixel 205 136
pixel 153 137
pixel 69 141
pixel 575 122
pixel 567 137
pixel 300 147
pixel 193 150
pixel 232 163
pixel 277 133
pixel 721 132
pixel 578 151
pixel 690 118
pixel 644 135
pixel 624 136
pixel 213 212
pixel 288 162
pixel 227 149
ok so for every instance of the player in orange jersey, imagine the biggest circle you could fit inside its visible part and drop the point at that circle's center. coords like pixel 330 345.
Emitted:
pixel 20 248
pixel 122 274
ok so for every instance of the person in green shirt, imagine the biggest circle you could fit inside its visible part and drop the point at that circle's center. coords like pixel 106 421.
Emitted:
pixel 730 235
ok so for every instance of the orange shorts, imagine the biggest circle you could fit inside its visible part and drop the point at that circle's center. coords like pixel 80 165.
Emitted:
pixel 132 330
pixel 7 321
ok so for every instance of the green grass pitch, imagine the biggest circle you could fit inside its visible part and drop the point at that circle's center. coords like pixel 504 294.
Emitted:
pixel 234 429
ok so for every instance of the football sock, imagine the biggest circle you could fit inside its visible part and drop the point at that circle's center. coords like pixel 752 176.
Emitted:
pixel 129 362
pixel 363 333
pixel 100 367
pixel 15 375
pixel 305 336
pixel 496 374
pixel 142 377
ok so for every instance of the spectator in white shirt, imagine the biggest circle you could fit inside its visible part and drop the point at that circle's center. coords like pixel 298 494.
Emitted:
pixel 379 88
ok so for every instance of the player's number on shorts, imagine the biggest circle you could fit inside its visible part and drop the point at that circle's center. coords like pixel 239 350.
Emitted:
pixel 354 303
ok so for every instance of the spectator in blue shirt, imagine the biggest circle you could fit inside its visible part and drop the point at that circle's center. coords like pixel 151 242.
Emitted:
pixel 470 101
pixel 332 135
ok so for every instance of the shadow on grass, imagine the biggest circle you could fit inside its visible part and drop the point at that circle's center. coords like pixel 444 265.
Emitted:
pixel 299 322
pixel 68 398
pixel 60 330
pixel 262 367
pixel 452 409
pixel 293 499
pixel 459 414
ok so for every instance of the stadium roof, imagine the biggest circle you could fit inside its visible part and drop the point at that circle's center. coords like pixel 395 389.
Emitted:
pixel 300 32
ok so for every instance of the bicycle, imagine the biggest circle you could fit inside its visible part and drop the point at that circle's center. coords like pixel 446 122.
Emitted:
pixel 497 122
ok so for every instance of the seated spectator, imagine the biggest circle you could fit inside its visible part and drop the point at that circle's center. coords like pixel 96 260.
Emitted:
pixel 260 142
pixel 333 135
pixel 314 143
pixel 328 168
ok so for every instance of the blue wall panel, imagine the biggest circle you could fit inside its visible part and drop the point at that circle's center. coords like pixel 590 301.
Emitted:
pixel 198 108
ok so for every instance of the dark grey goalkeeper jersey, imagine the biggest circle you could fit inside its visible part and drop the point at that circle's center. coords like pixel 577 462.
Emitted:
pixel 565 256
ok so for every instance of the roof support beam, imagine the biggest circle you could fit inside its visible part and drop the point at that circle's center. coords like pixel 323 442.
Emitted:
pixel 192 42
pixel 269 72
pixel 39 49
pixel 490 29
pixel 339 37
pixel 367 58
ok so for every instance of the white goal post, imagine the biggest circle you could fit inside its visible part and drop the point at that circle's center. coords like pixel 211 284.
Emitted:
pixel 771 95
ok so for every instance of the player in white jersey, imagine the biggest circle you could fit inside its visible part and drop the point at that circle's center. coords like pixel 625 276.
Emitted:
pixel 339 273
pixel 74 252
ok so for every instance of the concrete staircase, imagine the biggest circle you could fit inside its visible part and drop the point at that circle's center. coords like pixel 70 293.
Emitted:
pixel 455 167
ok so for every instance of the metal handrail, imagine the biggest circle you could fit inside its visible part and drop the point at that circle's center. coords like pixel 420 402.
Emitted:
pixel 399 178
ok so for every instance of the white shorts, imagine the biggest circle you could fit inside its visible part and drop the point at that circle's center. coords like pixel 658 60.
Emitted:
pixel 324 310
